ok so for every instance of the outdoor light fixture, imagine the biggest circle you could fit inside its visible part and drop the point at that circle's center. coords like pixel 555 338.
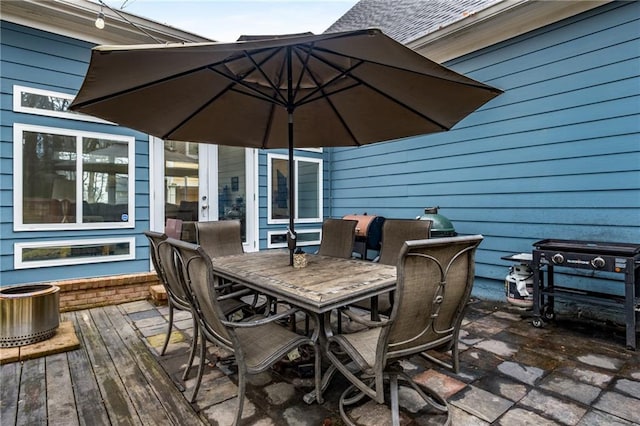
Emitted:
pixel 100 20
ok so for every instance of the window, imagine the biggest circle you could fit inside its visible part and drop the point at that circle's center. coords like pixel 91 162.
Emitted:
pixel 46 102
pixel 306 237
pixel 67 179
pixel 308 191
pixel 77 252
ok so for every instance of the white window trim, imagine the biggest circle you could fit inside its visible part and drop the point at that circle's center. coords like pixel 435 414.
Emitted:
pixel 299 244
pixel 18 224
pixel 18 107
pixel 296 159
pixel 20 264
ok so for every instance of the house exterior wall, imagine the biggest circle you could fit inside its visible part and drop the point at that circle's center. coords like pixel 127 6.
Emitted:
pixel 556 156
pixel 43 60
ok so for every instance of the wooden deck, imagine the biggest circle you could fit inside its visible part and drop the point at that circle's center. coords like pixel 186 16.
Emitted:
pixel 116 377
pixel 112 379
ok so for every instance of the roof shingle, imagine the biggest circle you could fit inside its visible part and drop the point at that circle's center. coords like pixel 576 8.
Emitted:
pixel 407 20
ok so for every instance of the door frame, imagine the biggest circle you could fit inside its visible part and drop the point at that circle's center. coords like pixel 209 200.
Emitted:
pixel 209 175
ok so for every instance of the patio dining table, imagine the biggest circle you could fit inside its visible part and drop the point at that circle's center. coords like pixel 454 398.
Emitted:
pixel 325 284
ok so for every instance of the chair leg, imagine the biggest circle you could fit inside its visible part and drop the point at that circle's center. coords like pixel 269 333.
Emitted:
pixel 395 409
pixel 346 400
pixel 455 356
pixel 353 395
pixel 169 328
pixel 203 351
pixel 194 345
pixel 241 388
pixel 318 372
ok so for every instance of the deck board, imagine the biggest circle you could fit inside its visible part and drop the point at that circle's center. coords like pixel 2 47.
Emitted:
pixel 165 390
pixel 61 407
pixel 10 379
pixel 144 403
pixel 32 401
pixel 90 407
pixel 118 406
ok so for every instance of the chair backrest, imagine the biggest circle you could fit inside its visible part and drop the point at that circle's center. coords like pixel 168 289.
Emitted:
pixel 220 238
pixel 196 274
pixel 396 231
pixel 435 278
pixel 155 238
pixel 173 228
pixel 338 237
pixel 176 290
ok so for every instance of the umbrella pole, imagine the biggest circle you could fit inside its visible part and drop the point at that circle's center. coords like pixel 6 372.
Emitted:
pixel 291 234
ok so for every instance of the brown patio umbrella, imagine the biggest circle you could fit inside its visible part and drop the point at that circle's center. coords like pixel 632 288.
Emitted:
pixel 303 91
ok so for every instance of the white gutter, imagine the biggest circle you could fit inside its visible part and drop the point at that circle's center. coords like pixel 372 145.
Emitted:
pixel 499 22
pixel 76 19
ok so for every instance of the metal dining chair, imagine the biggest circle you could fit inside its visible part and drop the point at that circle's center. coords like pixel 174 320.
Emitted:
pixel 435 278
pixel 394 233
pixel 163 262
pixel 257 343
pixel 224 238
pixel 220 237
pixel 178 297
pixel 338 238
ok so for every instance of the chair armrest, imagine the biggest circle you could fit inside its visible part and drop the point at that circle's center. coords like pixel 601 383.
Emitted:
pixel 261 321
pixel 235 294
pixel 364 321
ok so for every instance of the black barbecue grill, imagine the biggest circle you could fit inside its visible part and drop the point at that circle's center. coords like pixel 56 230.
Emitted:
pixel 591 255
pixel 368 233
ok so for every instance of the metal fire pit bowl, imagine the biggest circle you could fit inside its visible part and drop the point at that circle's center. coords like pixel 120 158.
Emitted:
pixel 28 314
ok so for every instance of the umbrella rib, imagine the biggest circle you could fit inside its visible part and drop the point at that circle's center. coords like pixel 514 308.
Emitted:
pixel 210 67
pixel 239 80
pixel 470 83
pixel 136 88
pixel 258 67
pixel 325 96
pixel 196 112
pixel 375 89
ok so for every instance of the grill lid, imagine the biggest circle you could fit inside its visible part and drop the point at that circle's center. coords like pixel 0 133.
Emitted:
pixel 599 247
pixel 441 226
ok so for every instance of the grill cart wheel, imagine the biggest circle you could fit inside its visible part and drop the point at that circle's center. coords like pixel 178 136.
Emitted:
pixel 538 323
pixel 547 313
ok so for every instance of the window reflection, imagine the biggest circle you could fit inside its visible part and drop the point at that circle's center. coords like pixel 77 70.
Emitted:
pixel 48 178
pixel 44 102
pixel 50 171
pixel 181 180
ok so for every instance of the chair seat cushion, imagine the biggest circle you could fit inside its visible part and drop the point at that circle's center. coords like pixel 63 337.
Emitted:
pixel 263 344
pixel 361 346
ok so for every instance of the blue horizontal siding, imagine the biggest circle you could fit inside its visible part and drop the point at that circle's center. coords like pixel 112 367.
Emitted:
pixel 556 156
pixel 48 61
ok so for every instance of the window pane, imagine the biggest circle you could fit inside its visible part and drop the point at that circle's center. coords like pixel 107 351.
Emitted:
pixel 308 190
pixel 279 187
pixel 232 185
pixel 308 237
pixel 181 180
pixel 75 251
pixel 105 180
pixel 49 178
pixel 44 102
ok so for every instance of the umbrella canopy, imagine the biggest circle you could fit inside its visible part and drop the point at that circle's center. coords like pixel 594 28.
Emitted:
pixel 303 91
